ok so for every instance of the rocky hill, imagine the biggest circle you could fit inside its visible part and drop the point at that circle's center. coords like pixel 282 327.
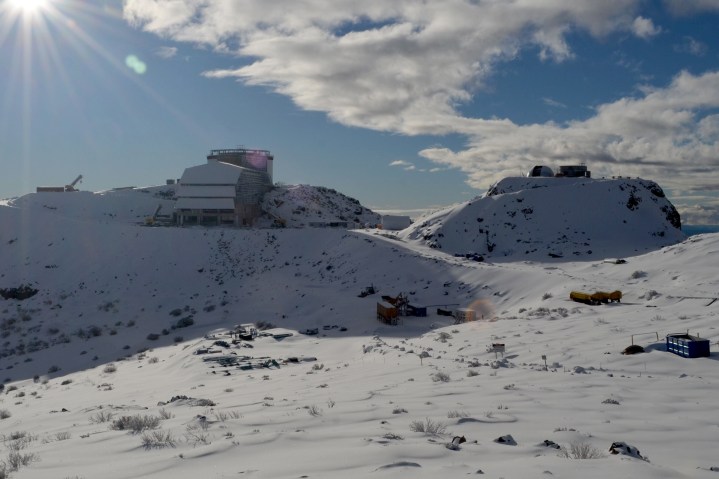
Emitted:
pixel 546 218
pixel 303 205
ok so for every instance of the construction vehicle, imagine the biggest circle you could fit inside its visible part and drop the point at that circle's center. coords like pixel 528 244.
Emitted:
pixel 151 220
pixel 367 291
pixel 71 186
pixel 60 189
pixel 596 298
pixel 278 222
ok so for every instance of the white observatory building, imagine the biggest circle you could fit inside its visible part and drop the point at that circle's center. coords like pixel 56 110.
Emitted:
pixel 227 190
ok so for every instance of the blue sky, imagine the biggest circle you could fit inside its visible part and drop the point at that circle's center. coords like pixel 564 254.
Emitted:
pixel 399 103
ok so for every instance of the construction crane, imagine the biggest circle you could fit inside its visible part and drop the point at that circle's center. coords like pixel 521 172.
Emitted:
pixel 150 220
pixel 71 186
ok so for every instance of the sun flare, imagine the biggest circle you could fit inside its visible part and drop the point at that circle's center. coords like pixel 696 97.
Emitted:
pixel 28 6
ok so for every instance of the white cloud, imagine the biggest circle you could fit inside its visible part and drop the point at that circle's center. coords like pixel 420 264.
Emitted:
pixel 406 165
pixel 645 28
pixel 699 214
pixel 689 7
pixel 389 65
pixel 553 103
pixel 405 66
pixel 400 163
pixel 166 52
pixel 665 133
pixel 692 46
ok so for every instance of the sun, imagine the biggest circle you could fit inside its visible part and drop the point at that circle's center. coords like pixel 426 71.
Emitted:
pixel 28 6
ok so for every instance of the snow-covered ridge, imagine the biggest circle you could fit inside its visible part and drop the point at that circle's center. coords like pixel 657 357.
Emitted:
pixel 545 218
pixel 297 206
pixel 120 310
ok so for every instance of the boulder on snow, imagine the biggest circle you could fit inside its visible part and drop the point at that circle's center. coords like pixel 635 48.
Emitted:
pixel 626 450
pixel 507 440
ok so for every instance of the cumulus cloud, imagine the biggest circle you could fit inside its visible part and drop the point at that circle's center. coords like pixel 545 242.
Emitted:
pixel 666 132
pixel 406 67
pixel 645 28
pixel 389 65
pixel 699 214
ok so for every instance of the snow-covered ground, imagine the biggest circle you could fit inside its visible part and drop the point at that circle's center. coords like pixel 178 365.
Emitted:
pixel 122 309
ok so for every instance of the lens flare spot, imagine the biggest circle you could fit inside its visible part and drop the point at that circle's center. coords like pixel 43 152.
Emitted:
pixel 484 309
pixel 135 64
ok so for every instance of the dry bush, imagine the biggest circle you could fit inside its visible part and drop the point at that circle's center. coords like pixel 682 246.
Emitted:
pixel 100 417
pixel 109 368
pixel 456 414
pixel 314 410
pixel 195 435
pixel 581 450
pixel 165 414
pixel 440 377
pixel 16 460
pixel 135 424
pixel 157 440
pixel 4 414
pixel 429 427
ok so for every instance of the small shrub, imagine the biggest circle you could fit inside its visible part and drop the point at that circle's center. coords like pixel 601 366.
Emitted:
pixel 440 377
pixel 63 436
pixel 153 337
pixel 195 435
pixel 428 427
pixel 157 440
pixel 456 414
pixel 399 410
pixel 184 322
pixel 135 424
pixel 443 337
pixel 165 414
pixel 314 411
pixel 4 414
pixel 546 296
pixel 472 373
pixel 638 274
pixel 16 460
pixel 581 450
pixel 100 417
pixel 109 368
pixel 66 382
pixel 153 360
pixel 393 437
pixel 53 369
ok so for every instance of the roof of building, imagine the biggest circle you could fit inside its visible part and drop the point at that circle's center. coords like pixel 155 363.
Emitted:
pixel 206 191
pixel 205 204
pixel 211 173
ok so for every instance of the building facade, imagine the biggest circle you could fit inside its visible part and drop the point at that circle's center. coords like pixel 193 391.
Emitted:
pixel 227 190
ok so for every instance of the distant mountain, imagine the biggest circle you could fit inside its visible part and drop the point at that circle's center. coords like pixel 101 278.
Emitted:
pixel 545 218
